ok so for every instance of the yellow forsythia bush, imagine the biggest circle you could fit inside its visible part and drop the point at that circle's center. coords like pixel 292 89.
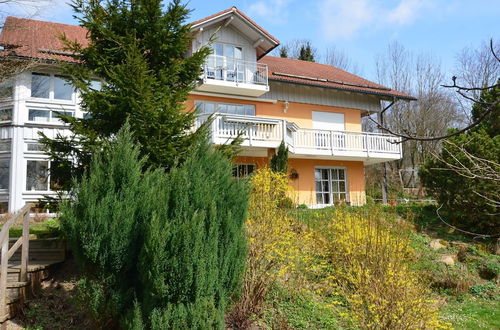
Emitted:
pixel 370 267
pixel 275 244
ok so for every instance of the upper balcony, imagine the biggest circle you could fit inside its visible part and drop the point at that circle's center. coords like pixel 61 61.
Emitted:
pixel 260 132
pixel 228 75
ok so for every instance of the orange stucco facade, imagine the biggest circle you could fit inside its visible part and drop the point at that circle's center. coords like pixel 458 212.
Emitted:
pixel 301 114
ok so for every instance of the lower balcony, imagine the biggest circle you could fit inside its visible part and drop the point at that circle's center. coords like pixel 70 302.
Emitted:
pixel 260 133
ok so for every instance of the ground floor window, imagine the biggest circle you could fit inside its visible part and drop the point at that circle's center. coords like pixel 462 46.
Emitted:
pixel 331 185
pixel 37 175
pixel 4 173
pixel 242 170
pixel 42 175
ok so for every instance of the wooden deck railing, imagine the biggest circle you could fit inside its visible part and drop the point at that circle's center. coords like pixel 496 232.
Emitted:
pixel 6 253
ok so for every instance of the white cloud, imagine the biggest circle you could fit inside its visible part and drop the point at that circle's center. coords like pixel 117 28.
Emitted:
pixel 406 12
pixel 342 19
pixel 271 10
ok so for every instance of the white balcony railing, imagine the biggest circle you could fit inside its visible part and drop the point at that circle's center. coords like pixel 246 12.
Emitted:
pixel 235 70
pixel 269 132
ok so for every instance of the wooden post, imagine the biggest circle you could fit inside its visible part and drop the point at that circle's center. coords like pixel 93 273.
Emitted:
pixel 25 248
pixel 3 278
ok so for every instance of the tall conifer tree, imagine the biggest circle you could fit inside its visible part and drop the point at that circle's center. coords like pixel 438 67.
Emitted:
pixel 134 66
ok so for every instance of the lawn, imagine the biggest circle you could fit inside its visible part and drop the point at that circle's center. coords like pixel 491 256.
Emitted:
pixel 45 229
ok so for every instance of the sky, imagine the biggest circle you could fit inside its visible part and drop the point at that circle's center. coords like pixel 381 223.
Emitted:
pixel 360 28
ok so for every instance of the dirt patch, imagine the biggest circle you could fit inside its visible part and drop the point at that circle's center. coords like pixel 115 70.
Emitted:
pixel 54 307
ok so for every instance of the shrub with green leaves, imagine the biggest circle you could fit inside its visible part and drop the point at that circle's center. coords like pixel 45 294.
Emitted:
pixel 158 250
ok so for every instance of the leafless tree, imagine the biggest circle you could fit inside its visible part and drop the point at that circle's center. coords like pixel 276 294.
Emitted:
pixel 476 67
pixel 432 114
pixel 340 59
pixel 11 65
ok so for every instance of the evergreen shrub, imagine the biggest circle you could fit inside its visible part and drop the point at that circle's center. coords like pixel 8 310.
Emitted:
pixel 157 250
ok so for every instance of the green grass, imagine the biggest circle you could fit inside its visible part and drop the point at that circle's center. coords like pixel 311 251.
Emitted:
pixel 296 310
pixel 48 228
pixel 472 313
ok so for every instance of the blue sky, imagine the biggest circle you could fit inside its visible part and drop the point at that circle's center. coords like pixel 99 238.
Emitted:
pixel 361 28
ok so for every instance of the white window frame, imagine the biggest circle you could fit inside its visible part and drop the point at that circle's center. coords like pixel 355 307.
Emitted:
pixel 246 165
pixel 5 157
pixel 331 192
pixel 218 104
pixel 25 188
pixel 27 142
pixel 51 97
pixel 51 115
pixel 11 107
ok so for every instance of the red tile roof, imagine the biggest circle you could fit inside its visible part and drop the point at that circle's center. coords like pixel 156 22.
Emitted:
pixel 323 75
pixel 236 10
pixel 38 39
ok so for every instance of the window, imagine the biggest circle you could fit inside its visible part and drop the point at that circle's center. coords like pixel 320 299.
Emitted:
pixel 6 114
pixel 40 85
pixel 51 87
pixel 4 173
pixel 42 175
pixel 7 89
pixel 242 170
pixel 5 145
pixel 35 147
pixel 62 88
pixel 225 63
pixel 331 185
pixel 4 207
pixel 204 107
pixel 37 175
pixel 50 116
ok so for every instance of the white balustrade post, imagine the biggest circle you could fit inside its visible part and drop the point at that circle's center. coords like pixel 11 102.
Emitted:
pixel 332 141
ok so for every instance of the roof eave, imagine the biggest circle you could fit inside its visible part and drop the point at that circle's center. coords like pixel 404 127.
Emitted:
pixel 384 96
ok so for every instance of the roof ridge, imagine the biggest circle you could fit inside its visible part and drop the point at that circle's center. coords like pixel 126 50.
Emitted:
pixel 41 21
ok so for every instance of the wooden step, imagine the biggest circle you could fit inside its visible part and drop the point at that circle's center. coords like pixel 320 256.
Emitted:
pixel 12 285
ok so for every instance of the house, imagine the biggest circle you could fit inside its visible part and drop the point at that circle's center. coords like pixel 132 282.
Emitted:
pixel 315 109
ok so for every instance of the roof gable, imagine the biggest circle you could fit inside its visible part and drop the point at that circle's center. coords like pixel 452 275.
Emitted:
pixel 262 40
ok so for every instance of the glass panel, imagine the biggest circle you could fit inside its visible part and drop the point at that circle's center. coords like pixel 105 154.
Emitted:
pixel 335 186
pixel 95 85
pixel 4 173
pixel 87 115
pixel 37 174
pixel 6 114
pixel 62 88
pixel 57 114
pixel 342 186
pixel 39 115
pixel 317 174
pixel 324 174
pixel 40 85
pixel 342 174
pixel 218 49
pixel 35 147
pixel 209 108
pixel 229 51
pixel 325 185
pixel 59 175
pixel 335 174
pixel 238 53
pixel 319 199
pixel 5 145
pixel 4 207
pixel 250 110
pixel 326 199
pixel 318 186
pixel 6 89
